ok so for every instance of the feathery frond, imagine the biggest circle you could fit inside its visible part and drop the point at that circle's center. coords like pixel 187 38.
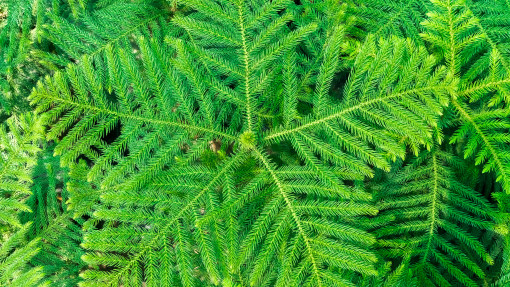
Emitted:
pixel 434 215
pixel 254 143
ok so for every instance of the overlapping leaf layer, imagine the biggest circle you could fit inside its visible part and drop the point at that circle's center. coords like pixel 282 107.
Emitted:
pixel 254 143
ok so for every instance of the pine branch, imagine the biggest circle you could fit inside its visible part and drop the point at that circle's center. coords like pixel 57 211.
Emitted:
pixel 427 201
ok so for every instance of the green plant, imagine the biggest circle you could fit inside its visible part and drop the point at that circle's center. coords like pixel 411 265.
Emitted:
pixel 256 143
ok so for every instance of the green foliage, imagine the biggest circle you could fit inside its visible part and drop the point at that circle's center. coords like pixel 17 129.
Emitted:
pixel 435 219
pixel 19 142
pixel 255 143
pixel 19 138
pixel 383 18
pixel 53 224
pixel 40 243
